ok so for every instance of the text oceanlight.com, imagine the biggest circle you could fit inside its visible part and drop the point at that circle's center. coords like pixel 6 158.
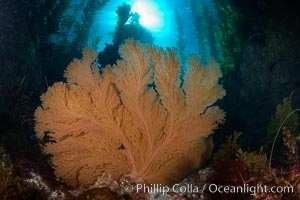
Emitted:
pixel 211 188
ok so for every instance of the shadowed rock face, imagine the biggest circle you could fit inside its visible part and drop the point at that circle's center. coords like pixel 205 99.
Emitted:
pixel 10 27
pixel 269 72
pixel 15 23
pixel 13 15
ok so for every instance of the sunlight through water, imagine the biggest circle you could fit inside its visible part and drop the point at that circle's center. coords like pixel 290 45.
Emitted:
pixel 151 16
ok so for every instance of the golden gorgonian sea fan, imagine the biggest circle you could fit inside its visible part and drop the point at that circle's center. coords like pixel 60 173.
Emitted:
pixel 133 119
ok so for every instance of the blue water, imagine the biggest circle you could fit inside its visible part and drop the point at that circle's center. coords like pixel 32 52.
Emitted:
pixel 157 16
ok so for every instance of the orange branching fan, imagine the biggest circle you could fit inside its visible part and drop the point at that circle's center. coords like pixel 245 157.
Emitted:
pixel 119 123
